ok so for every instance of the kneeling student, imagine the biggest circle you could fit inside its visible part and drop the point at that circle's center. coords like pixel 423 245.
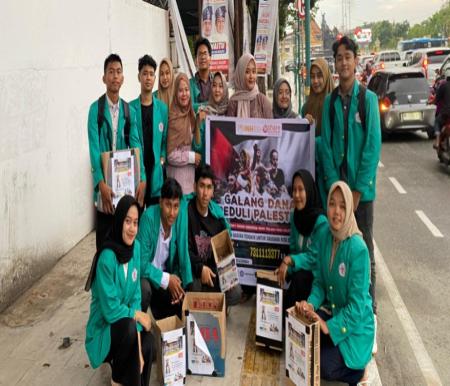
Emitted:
pixel 165 266
pixel 205 220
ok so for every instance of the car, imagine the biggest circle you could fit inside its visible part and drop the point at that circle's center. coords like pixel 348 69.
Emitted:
pixel 403 101
pixel 387 59
pixel 429 60
pixel 445 64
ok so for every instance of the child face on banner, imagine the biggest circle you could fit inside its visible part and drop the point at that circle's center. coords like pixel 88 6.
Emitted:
pixel 284 96
pixel 183 94
pixel 299 193
pixel 217 89
pixel 317 80
pixel 250 75
pixel 336 210
pixel 130 225
pixel 165 77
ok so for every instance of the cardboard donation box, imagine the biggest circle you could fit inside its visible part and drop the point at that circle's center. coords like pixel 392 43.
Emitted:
pixel 121 172
pixel 269 311
pixel 302 349
pixel 223 251
pixel 205 317
pixel 171 358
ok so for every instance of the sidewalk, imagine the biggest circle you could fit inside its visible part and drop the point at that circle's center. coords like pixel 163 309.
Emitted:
pixel 33 328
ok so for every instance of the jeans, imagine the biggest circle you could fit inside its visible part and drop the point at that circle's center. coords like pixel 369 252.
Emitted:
pixel 364 218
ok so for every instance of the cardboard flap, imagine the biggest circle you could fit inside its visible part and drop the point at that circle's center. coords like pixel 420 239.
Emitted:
pixel 222 245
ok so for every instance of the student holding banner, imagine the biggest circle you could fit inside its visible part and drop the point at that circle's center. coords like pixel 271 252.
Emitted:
pixel 166 78
pixel 282 105
pixel 183 130
pixel 340 298
pixel 110 134
pixel 247 101
pixel 307 221
pixel 151 121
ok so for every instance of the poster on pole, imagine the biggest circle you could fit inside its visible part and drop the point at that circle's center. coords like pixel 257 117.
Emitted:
pixel 254 161
pixel 216 27
pixel 265 34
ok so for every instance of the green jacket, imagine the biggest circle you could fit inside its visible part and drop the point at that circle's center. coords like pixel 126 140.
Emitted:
pixel 195 93
pixel 103 142
pixel 364 146
pixel 200 147
pixel 346 289
pixel 301 248
pixel 113 298
pixel 160 124
pixel 178 262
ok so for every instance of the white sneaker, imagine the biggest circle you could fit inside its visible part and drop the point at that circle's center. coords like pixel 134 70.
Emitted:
pixel 375 345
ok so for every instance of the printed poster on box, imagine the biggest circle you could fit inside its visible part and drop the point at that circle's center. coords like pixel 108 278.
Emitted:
pixel 254 161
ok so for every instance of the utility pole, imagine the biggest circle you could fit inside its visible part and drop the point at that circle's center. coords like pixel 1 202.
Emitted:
pixel 307 44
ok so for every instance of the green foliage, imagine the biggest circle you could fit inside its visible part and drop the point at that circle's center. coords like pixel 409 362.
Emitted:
pixel 387 33
pixel 435 26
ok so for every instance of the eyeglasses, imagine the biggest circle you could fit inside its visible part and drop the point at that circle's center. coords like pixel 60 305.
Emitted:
pixel 203 54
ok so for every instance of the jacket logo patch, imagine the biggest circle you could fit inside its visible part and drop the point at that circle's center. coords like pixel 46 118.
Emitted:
pixel 161 127
pixel 357 117
pixel 342 269
pixel 134 274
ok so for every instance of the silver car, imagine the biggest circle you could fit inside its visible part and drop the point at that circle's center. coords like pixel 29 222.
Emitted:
pixel 403 100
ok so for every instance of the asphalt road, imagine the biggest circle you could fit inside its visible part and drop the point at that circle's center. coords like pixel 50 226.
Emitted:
pixel 414 340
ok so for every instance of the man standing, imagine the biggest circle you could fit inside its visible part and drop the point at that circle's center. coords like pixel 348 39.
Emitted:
pixel 352 143
pixel 200 84
pixel 111 127
pixel 165 264
pixel 151 121
pixel 205 220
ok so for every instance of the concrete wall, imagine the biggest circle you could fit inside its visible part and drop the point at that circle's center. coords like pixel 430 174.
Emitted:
pixel 51 65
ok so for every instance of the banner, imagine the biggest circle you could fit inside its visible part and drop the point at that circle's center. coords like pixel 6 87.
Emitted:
pixel 265 34
pixel 216 27
pixel 254 161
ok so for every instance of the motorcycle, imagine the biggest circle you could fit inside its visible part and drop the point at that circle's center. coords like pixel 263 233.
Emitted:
pixel 443 150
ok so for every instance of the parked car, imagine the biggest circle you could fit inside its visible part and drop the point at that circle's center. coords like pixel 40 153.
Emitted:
pixel 387 59
pixel 445 64
pixel 403 100
pixel 429 60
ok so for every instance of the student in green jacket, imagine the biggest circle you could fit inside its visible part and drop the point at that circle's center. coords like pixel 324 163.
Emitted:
pixel 200 84
pixel 340 298
pixel 205 219
pixel 110 137
pixel 307 220
pixel 117 332
pixel 165 264
pixel 350 152
pixel 151 121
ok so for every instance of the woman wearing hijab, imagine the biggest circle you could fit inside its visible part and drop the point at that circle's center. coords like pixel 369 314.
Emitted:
pixel 321 86
pixel 217 105
pixel 183 128
pixel 165 82
pixel 282 105
pixel 307 220
pixel 117 331
pixel 340 298
pixel 247 101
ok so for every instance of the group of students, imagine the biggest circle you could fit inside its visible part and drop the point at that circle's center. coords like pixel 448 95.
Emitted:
pixel 149 258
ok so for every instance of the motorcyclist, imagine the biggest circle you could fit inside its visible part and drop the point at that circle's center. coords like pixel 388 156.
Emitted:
pixel 443 105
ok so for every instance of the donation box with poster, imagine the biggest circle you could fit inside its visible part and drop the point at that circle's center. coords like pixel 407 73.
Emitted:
pixel 269 311
pixel 223 251
pixel 253 161
pixel 302 349
pixel 205 317
pixel 171 358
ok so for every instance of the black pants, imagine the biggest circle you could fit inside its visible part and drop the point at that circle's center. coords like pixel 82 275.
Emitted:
pixel 299 289
pixel 103 225
pixel 159 300
pixel 124 354
pixel 332 365
pixel 364 218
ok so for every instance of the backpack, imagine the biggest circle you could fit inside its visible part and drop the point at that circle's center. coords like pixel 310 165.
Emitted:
pixel 361 111
pixel 101 118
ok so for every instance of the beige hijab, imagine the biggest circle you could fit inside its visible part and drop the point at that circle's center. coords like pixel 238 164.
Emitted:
pixel 181 120
pixel 242 95
pixel 350 227
pixel 219 108
pixel 314 103
pixel 163 94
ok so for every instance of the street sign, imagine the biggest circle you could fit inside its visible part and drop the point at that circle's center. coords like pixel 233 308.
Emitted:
pixel 301 9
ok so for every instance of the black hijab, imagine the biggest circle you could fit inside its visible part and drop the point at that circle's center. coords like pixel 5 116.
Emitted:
pixel 305 219
pixel 114 240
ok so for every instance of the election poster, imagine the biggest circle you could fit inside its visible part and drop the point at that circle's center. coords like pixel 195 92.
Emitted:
pixel 254 161
pixel 265 33
pixel 216 27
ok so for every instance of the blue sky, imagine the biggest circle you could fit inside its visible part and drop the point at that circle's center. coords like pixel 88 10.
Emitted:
pixel 374 10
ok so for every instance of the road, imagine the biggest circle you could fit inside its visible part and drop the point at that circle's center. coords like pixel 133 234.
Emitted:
pixel 414 338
